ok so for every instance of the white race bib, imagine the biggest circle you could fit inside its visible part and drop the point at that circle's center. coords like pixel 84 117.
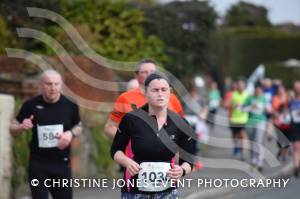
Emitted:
pixel 153 176
pixel 214 103
pixel 259 108
pixel 47 135
pixel 296 116
pixel 268 97
pixel 192 119
pixel 285 119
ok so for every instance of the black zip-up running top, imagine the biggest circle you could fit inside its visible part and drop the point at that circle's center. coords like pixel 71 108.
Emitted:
pixel 150 144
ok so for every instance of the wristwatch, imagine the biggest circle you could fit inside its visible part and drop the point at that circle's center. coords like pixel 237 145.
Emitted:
pixel 73 134
pixel 183 172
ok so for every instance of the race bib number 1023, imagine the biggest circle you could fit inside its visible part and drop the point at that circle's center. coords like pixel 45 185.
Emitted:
pixel 47 135
pixel 153 176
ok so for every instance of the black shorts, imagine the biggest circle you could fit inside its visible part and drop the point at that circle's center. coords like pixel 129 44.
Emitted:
pixel 295 133
pixel 269 115
pixel 211 116
pixel 284 136
pixel 237 128
pixel 45 171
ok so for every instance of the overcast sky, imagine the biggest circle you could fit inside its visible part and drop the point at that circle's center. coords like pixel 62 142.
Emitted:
pixel 280 11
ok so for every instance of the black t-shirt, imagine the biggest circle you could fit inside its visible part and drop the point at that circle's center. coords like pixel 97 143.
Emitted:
pixel 149 144
pixel 63 113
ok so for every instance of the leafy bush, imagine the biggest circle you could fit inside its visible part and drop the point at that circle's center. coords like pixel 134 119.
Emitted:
pixel 102 158
pixel 6 37
pixel 20 155
pixel 241 50
pixel 187 29
pixel 112 28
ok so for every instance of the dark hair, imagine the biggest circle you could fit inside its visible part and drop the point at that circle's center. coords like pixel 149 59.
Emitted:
pixel 144 61
pixel 258 85
pixel 154 76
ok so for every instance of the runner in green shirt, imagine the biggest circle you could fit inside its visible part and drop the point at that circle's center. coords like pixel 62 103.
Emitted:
pixel 257 106
pixel 214 99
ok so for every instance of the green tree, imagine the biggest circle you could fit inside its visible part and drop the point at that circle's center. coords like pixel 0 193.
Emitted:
pixel 247 14
pixel 7 39
pixel 16 15
pixel 242 49
pixel 113 28
pixel 187 29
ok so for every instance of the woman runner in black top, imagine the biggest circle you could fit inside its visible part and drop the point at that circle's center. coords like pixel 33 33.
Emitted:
pixel 156 135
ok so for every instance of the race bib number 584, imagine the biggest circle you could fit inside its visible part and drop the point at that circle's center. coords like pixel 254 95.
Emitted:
pixel 47 135
pixel 153 176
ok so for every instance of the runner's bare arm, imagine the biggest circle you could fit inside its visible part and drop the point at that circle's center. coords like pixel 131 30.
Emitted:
pixel 132 166
pixel 17 128
pixel 177 171
pixel 110 128
pixel 77 130
pixel 187 167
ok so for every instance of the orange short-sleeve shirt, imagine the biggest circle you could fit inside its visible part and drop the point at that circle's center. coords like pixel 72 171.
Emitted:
pixel 135 98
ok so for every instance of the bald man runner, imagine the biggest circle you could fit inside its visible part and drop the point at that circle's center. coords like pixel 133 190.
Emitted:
pixel 53 121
